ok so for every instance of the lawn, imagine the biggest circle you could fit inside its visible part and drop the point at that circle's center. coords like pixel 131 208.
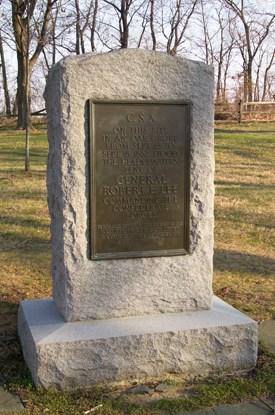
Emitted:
pixel 244 259
pixel 244 268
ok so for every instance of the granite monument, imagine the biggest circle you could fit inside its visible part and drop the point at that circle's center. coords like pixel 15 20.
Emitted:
pixel 130 194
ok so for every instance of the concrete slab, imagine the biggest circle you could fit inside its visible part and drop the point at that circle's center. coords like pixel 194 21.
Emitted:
pixel 78 354
pixel 267 335
pixel 9 402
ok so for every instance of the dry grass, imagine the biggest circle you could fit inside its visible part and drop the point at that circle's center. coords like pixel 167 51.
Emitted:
pixel 245 218
pixel 244 265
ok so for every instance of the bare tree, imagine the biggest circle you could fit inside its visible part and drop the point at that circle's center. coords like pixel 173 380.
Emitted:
pixel 78 32
pixel 22 13
pixel 227 63
pixel 258 67
pixel 144 23
pixel 53 17
pixel 251 33
pixel 61 38
pixel 223 55
pixel 152 26
pixel 217 43
pixel 178 13
pixel 266 73
pixel 207 38
pixel 122 12
pixel 73 27
pixel 82 22
pixel 5 79
pixel 125 11
pixel 51 50
pixel 93 25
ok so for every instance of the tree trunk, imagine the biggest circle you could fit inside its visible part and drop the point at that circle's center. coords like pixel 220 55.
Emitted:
pixel 22 100
pixel 266 75
pixel 93 27
pixel 77 28
pixel 22 13
pixel 153 35
pixel 82 42
pixel 257 86
pixel 21 36
pixel 224 87
pixel 54 19
pixel 5 81
pixel 245 86
pixel 124 34
pixel 219 82
pixel 249 82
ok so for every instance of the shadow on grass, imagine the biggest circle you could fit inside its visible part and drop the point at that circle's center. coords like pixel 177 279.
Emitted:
pixel 23 195
pixel 256 147
pixel 239 217
pixel 12 365
pixel 26 252
pixel 24 221
pixel 16 172
pixel 7 154
pixel 225 260
pixel 244 131
pixel 19 240
pixel 246 154
pixel 259 186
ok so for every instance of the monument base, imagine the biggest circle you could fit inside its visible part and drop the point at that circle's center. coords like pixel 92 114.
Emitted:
pixel 73 355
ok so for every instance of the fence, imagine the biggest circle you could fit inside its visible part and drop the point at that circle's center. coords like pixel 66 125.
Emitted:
pixel 247 111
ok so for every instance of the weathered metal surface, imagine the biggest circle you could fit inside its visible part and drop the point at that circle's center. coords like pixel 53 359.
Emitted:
pixel 139 181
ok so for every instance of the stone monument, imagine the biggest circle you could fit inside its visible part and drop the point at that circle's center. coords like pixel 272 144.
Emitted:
pixel 130 193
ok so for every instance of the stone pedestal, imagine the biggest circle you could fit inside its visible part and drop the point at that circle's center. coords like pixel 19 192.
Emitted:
pixel 141 316
pixel 78 354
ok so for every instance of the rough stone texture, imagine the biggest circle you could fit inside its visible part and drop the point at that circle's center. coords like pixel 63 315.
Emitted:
pixel 77 354
pixel 163 387
pixel 116 288
pixel 141 390
pixel 267 335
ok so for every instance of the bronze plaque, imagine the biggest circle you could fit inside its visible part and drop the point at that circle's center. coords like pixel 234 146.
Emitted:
pixel 139 179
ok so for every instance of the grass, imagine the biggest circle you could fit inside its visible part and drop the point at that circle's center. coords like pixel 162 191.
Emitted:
pixel 244 269
pixel 245 218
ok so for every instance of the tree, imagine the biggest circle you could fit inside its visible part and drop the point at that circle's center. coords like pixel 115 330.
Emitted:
pixel 266 73
pixel 217 43
pixel 23 12
pixel 175 19
pixel 122 12
pixel 222 58
pixel 152 26
pixel 252 31
pixel 82 22
pixel 258 65
pixel 72 29
pixel 93 25
pixel 125 11
pixel 207 38
pixel 4 75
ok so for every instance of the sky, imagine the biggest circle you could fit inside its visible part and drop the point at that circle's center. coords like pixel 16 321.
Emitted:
pixel 190 50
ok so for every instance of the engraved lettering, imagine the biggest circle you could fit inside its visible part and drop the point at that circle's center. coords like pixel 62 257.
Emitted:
pixel 140 184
